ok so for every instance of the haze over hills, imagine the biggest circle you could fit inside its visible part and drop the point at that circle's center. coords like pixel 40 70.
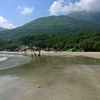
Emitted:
pixel 2 29
pixel 76 22
pixel 86 16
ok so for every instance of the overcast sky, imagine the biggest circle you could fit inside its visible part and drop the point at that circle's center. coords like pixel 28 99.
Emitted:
pixel 18 12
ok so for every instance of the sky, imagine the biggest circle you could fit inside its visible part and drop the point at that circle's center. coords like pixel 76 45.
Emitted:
pixel 14 13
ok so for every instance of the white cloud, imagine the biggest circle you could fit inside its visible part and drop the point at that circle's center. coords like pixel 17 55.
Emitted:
pixel 25 10
pixel 65 7
pixel 4 23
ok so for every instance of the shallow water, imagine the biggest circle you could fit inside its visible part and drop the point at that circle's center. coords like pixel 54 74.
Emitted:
pixel 10 61
pixel 52 78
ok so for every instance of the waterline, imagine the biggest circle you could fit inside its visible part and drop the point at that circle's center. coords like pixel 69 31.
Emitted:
pixel 11 61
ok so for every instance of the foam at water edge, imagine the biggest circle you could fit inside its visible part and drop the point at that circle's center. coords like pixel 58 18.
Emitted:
pixel 7 55
pixel 3 59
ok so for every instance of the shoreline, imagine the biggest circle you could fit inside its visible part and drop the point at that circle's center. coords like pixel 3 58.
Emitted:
pixel 62 53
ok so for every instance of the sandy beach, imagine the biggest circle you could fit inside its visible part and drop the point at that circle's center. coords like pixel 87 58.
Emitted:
pixel 52 78
pixel 62 53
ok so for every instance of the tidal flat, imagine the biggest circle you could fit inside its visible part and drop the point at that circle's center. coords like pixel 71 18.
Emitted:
pixel 52 78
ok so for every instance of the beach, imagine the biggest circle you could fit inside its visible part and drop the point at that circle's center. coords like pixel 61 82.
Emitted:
pixel 52 76
pixel 60 53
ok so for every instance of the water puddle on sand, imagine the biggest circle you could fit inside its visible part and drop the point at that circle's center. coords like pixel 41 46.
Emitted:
pixel 52 78
pixel 10 61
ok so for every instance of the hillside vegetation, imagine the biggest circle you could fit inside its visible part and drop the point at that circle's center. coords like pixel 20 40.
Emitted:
pixel 79 31
pixel 71 42
pixel 77 22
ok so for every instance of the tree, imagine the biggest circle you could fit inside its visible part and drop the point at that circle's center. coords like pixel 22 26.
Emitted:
pixel 97 46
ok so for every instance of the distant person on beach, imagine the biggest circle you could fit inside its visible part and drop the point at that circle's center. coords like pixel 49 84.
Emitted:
pixel 35 54
pixel 39 53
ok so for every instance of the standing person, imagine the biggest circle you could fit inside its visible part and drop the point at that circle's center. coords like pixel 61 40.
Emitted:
pixel 39 53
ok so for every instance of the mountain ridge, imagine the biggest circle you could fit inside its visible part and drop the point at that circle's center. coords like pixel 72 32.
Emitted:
pixel 76 22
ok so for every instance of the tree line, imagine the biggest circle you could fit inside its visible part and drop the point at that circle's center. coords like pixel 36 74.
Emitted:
pixel 58 42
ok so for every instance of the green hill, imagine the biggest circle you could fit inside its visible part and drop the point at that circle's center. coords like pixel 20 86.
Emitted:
pixel 86 16
pixel 76 22
pixel 2 29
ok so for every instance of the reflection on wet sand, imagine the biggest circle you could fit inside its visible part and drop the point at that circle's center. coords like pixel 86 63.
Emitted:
pixel 52 78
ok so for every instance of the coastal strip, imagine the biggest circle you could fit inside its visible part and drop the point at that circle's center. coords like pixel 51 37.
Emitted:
pixel 60 53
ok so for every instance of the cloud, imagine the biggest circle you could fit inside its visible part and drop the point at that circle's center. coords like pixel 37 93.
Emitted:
pixel 25 10
pixel 4 23
pixel 64 7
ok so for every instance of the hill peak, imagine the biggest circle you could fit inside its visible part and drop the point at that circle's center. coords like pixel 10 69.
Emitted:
pixel 76 22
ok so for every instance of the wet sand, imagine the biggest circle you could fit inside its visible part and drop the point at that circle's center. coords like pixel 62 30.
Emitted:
pixel 52 78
